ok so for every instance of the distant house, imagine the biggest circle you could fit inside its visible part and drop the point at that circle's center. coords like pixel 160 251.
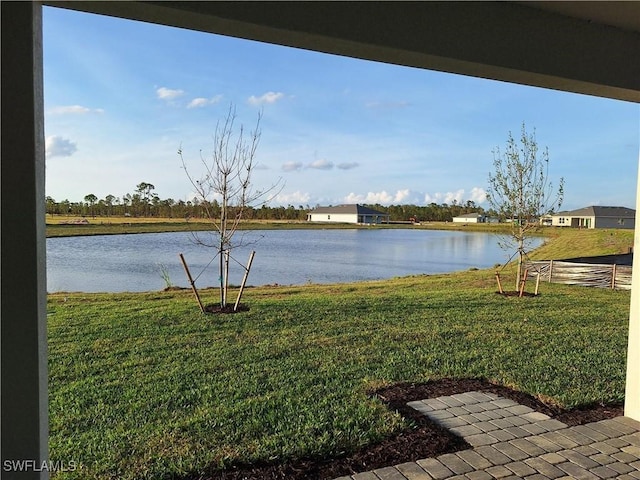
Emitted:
pixel 353 213
pixel 594 217
pixel 470 218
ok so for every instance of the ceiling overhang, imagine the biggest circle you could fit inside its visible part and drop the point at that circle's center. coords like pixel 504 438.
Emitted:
pixel 583 47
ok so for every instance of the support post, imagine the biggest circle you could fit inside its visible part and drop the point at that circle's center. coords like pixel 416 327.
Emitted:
pixel 632 390
pixel 613 277
pixel 193 284
pixel 244 280
pixel 537 284
pixel 523 282
pixel 24 400
pixel 225 295
pixel 499 284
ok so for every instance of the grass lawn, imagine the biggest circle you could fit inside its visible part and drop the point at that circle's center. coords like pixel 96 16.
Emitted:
pixel 571 243
pixel 144 386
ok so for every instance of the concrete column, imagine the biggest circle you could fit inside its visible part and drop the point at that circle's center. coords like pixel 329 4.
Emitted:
pixel 632 394
pixel 23 321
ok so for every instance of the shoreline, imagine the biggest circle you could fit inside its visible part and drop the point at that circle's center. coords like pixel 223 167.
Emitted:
pixel 122 226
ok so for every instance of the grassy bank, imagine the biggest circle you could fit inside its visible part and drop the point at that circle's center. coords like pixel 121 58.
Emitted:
pixel 571 243
pixel 144 386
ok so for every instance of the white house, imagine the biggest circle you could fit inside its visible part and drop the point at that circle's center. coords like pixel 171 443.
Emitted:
pixel 469 218
pixel 595 217
pixel 353 213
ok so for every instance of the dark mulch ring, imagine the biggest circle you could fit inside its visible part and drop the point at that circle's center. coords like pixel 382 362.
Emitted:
pixel 513 293
pixel 228 308
pixel 422 440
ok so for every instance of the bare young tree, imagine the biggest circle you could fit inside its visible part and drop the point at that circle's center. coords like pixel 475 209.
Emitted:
pixel 520 190
pixel 224 189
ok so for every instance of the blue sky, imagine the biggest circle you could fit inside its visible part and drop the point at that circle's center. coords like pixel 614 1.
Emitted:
pixel 122 96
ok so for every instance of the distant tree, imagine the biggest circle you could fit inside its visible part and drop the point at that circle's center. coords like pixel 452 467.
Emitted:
pixel 520 190
pixel 144 190
pixel 126 202
pixel 137 205
pixel 154 204
pixel 65 207
pixel 108 201
pixel 226 184
pixel 52 206
pixel 91 200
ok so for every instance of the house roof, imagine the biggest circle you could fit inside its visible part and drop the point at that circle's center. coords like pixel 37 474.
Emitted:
pixel 346 209
pixel 470 215
pixel 600 211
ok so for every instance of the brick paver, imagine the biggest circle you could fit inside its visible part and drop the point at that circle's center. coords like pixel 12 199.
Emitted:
pixel 511 441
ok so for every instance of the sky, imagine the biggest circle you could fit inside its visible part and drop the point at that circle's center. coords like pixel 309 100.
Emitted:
pixel 122 97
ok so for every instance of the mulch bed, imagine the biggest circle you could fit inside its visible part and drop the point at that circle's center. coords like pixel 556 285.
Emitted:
pixel 422 440
pixel 228 308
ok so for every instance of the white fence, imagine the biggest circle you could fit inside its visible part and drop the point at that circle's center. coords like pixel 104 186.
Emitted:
pixel 585 274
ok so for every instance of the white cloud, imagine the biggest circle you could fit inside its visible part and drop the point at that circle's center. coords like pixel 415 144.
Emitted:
pixel 321 164
pixel 447 197
pixel 405 196
pixel 401 196
pixel 371 197
pixel 291 166
pixel 458 196
pixel 168 93
pixel 347 165
pixel 269 97
pixel 203 102
pixel 198 102
pixel 74 110
pixel 478 195
pixel 294 198
pixel 56 146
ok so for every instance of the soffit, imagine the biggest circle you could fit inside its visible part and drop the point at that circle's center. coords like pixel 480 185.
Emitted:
pixel 623 15
pixel 583 47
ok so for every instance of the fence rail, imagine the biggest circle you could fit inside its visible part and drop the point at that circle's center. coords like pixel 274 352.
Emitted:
pixel 585 274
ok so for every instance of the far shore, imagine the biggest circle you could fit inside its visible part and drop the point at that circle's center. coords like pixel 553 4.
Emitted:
pixel 71 226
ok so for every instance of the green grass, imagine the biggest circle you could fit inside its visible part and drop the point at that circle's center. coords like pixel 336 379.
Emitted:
pixel 144 386
pixel 570 243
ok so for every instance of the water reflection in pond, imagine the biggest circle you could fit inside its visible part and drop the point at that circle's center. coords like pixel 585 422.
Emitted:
pixel 116 263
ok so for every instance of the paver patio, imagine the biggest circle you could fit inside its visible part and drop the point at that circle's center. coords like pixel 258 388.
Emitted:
pixel 511 441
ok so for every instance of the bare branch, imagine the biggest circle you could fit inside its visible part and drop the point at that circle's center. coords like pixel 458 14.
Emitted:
pixel 225 189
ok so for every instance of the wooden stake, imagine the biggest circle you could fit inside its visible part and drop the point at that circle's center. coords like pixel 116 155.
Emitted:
pixel 244 281
pixel 225 294
pixel 550 269
pixel 499 284
pixel 193 285
pixel 537 283
pixel 613 277
pixel 523 282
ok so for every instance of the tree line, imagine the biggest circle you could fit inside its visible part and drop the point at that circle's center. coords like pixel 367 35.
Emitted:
pixel 144 202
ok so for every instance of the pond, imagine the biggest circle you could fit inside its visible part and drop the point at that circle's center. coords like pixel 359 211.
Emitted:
pixel 118 263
